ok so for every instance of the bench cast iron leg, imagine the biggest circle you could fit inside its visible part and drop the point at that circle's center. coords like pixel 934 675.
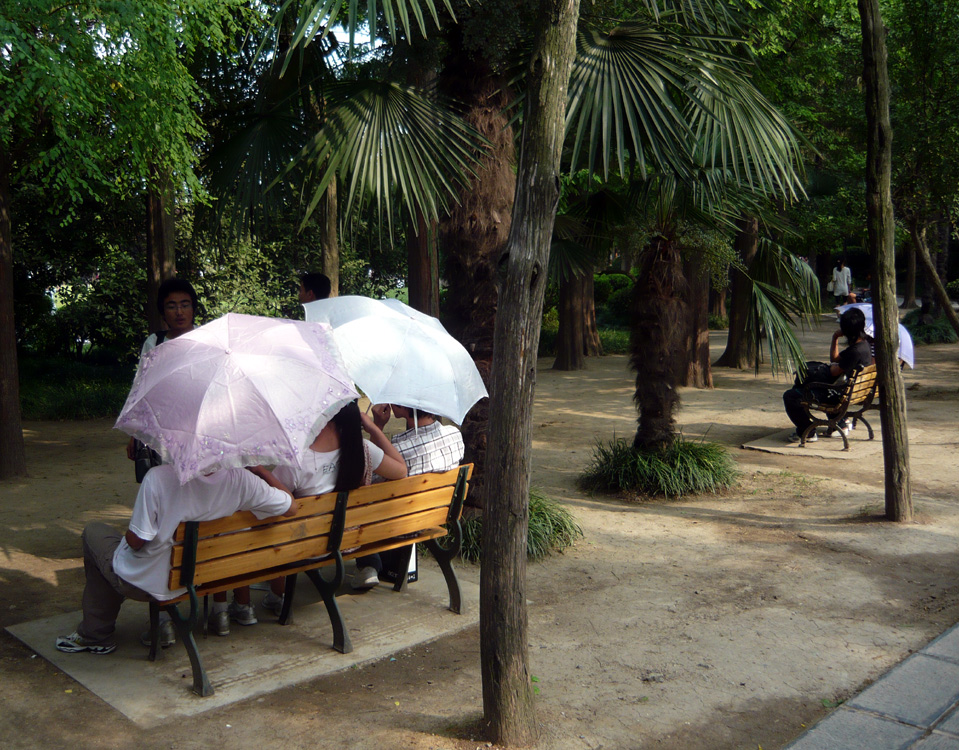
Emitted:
pixel 289 588
pixel 327 589
pixel 868 426
pixel 201 684
pixel 444 558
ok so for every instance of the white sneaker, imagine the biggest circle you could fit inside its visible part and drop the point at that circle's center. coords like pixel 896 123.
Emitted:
pixel 242 613
pixel 796 437
pixel 273 603
pixel 365 578
pixel 219 623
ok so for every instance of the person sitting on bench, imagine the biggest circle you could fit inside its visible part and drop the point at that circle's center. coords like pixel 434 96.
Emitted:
pixel 136 565
pixel 852 325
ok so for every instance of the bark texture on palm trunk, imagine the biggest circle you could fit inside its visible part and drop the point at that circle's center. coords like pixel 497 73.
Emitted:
pixel 881 229
pixel 658 318
pixel 474 234
pixel 507 689
pixel 161 250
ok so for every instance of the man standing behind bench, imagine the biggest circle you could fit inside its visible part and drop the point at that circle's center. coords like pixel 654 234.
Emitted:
pixel 136 565
pixel 427 445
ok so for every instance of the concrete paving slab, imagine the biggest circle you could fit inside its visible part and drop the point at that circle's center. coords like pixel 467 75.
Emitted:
pixel 258 659
pixel 918 691
pixel 855 730
pixel 946 646
pixel 950 723
pixel 937 741
pixel 860 446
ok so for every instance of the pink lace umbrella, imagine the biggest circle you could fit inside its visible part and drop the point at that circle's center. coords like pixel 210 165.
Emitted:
pixel 238 391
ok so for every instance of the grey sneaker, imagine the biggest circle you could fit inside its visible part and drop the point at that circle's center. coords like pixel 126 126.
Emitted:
pixel 365 578
pixel 219 623
pixel 242 613
pixel 273 603
pixel 167 635
pixel 796 437
pixel 75 643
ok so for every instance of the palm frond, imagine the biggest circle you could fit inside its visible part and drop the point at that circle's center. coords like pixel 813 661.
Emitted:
pixel 381 137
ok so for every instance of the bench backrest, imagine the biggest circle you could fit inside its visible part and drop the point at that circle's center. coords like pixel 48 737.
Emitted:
pixel 863 385
pixel 361 521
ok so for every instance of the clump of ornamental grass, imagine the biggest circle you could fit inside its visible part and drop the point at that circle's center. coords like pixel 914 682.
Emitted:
pixel 683 468
pixel 552 528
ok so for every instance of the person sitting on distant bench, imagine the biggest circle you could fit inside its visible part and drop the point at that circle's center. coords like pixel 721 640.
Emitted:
pixel 313 286
pixel 852 325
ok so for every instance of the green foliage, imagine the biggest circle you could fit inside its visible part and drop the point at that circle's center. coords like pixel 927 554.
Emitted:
pixel 718 322
pixel 54 388
pixel 952 288
pixel 685 467
pixel 616 310
pixel 604 284
pixel 614 340
pixel 552 528
pixel 936 331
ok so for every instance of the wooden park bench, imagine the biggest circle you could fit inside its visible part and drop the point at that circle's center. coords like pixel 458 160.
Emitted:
pixel 213 556
pixel 858 396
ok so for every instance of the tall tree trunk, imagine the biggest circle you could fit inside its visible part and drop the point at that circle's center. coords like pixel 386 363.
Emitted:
pixel 508 706
pixel 658 319
pixel 881 234
pixel 918 233
pixel 696 373
pixel 161 251
pixel 717 302
pixel 594 347
pixel 909 292
pixel 571 339
pixel 423 273
pixel 13 461
pixel 741 349
pixel 329 238
pixel 475 232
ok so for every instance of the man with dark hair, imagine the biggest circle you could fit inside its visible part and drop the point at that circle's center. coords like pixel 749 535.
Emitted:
pixel 852 325
pixel 313 286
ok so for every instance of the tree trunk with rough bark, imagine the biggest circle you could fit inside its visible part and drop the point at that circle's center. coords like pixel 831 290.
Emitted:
pixel 658 323
pixel 740 351
pixel 909 291
pixel 917 232
pixel 330 238
pixel 161 242
pixel 571 339
pixel 508 706
pixel 881 237
pixel 696 373
pixel 13 461
pixel 474 234
pixel 594 347
pixel 423 272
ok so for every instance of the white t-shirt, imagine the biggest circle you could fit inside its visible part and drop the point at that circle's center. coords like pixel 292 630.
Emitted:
pixel 319 471
pixel 163 503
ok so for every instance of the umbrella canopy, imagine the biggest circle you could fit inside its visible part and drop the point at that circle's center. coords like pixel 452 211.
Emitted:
pixel 238 391
pixel 401 357
pixel 906 351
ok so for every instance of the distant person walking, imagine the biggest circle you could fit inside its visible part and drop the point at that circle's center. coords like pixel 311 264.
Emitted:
pixel 841 282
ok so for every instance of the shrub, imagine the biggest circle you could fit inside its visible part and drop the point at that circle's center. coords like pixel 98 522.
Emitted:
pixel 935 331
pixel 52 388
pixel 616 311
pixel 718 322
pixel 604 284
pixel 952 289
pixel 685 467
pixel 614 340
pixel 552 528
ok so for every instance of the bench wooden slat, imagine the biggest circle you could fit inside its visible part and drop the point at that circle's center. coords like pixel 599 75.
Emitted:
pixel 244 519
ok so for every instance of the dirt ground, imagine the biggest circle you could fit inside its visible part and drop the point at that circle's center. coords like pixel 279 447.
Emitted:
pixel 729 621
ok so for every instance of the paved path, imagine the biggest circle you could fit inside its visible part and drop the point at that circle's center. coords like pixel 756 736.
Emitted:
pixel 914 705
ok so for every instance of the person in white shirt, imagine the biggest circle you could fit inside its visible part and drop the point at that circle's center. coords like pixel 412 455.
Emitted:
pixel 427 445
pixel 136 565
pixel 841 281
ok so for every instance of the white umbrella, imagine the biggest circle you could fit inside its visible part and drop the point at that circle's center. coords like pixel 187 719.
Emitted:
pixel 400 358
pixel 906 351
pixel 238 391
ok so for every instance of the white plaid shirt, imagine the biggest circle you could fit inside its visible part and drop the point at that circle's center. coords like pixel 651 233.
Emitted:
pixel 433 447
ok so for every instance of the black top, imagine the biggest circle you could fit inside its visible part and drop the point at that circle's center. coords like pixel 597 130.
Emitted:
pixel 853 356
